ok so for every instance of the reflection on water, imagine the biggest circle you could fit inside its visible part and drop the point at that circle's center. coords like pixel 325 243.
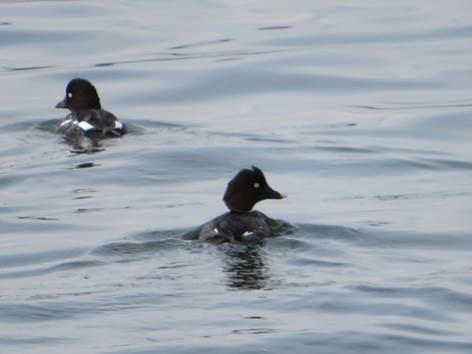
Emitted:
pixel 88 164
pixel 245 267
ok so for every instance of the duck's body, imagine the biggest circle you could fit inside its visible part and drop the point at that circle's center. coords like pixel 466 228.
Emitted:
pixel 92 123
pixel 86 117
pixel 242 224
pixel 247 227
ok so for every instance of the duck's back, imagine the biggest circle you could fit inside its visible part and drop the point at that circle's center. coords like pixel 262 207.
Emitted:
pixel 248 227
pixel 93 123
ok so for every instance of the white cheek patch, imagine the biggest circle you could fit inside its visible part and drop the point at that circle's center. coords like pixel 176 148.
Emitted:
pixel 118 125
pixel 85 125
pixel 256 185
pixel 69 95
pixel 248 233
pixel 215 230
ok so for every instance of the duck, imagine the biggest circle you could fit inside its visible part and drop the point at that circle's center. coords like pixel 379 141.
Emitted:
pixel 242 224
pixel 86 117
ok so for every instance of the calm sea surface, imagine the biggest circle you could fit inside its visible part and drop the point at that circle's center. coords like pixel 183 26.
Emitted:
pixel 360 111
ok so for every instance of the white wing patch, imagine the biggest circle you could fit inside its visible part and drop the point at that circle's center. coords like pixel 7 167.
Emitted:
pixel 67 121
pixel 118 124
pixel 85 125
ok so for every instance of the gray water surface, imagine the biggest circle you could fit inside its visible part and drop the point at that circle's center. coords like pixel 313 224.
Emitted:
pixel 360 111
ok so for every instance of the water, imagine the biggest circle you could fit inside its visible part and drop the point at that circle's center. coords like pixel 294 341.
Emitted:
pixel 360 112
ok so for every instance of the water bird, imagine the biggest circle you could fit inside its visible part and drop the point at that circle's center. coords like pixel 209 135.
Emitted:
pixel 242 224
pixel 86 117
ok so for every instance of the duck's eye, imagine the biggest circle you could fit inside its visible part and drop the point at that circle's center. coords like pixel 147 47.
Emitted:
pixel 256 185
pixel 69 94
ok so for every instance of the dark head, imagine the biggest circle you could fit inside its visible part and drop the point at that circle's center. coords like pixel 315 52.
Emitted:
pixel 247 188
pixel 81 95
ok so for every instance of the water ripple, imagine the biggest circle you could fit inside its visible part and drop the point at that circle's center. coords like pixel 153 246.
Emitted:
pixel 380 38
pixel 360 112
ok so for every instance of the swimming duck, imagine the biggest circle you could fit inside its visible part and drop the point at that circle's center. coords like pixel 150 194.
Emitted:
pixel 241 223
pixel 87 118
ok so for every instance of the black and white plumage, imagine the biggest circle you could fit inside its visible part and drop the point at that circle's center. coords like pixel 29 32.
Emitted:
pixel 86 117
pixel 241 223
